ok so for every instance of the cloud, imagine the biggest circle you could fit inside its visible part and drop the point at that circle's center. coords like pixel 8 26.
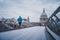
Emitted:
pixel 49 1
pixel 25 8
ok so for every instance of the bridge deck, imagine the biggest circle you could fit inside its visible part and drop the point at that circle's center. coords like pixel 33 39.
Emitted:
pixel 32 33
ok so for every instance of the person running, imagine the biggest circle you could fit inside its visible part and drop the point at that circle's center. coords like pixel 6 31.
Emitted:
pixel 19 21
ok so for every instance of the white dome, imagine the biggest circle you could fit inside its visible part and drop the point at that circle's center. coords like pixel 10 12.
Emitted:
pixel 43 15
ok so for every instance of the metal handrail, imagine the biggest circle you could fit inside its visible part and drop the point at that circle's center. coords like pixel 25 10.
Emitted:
pixel 51 25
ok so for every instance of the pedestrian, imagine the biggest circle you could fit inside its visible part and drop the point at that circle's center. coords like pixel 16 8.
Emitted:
pixel 19 21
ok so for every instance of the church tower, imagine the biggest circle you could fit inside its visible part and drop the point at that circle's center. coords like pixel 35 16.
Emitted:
pixel 43 18
pixel 28 18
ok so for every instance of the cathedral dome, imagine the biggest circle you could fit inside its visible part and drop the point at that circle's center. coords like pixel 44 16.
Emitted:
pixel 43 18
pixel 43 15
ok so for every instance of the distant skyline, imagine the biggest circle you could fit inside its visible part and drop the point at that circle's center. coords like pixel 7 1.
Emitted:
pixel 25 8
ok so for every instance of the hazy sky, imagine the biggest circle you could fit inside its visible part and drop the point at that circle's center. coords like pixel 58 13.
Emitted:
pixel 25 8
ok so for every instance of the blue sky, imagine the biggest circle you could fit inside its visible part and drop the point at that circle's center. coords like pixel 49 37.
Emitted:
pixel 25 8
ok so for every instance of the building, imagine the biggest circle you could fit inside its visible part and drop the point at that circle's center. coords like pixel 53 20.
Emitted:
pixel 28 19
pixel 43 18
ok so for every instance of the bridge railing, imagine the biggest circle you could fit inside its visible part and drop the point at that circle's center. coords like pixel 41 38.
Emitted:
pixel 53 22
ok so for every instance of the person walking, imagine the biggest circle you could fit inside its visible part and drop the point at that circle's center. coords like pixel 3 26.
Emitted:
pixel 19 21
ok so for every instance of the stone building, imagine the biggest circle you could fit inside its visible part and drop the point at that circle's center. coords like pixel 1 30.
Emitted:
pixel 43 18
